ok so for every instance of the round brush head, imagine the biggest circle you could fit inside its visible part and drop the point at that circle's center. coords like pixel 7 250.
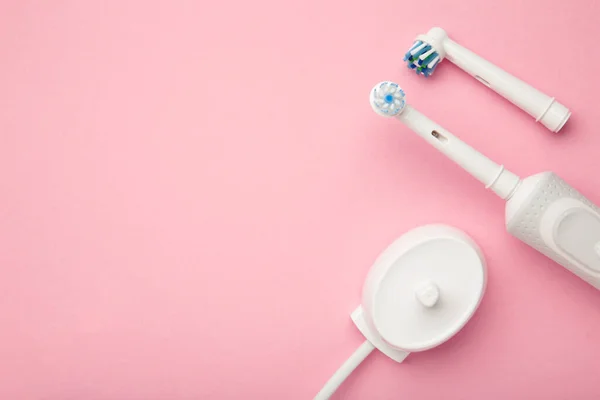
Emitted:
pixel 387 99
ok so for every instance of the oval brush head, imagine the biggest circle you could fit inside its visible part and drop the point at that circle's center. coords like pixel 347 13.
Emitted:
pixel 422 57
pixel 387 99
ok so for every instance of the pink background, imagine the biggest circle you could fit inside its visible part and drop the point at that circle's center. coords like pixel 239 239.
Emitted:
pixel 193 192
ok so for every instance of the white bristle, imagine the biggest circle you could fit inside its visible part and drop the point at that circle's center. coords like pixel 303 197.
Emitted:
pixel 418 48
pixel 415 44
pixel 427 54
pixel 433 62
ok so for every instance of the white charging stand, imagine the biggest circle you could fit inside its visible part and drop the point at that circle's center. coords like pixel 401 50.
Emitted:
pixel 418 294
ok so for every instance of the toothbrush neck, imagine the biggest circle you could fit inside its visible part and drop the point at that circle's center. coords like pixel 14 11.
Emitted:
pixel 492 175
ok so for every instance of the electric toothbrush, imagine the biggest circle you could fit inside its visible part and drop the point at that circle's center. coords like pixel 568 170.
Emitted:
pixel 542 210
pixel 430 49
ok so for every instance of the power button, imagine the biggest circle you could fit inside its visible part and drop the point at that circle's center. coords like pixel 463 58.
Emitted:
pixel 577 233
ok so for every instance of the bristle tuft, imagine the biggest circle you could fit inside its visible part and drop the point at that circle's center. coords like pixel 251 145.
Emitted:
pixel 422 57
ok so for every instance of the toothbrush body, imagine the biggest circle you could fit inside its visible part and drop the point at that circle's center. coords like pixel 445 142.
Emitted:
pixel 555 219
pixel 542 107
pixel 542 210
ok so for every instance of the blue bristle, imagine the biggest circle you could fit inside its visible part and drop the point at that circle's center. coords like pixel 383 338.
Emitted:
pixel 408 56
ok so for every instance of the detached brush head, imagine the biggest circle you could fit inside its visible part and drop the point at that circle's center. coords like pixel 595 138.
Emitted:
pixel 426 52
pixel 387 99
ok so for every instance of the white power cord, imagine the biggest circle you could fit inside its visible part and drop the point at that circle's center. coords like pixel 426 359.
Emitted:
pixel 345 370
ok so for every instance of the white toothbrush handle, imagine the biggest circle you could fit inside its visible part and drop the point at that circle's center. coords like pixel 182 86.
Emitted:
pixel 558 221
pixel 539 105
pixel 491 174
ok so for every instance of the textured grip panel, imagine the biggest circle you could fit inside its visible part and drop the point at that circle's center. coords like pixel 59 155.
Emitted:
pixel 526 223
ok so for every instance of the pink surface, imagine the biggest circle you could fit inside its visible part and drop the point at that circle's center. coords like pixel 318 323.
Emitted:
pixel 192 195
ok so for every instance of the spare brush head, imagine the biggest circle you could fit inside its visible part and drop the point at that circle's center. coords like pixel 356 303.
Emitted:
pixel 387 99
pixel 422 58
pixel 426 52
